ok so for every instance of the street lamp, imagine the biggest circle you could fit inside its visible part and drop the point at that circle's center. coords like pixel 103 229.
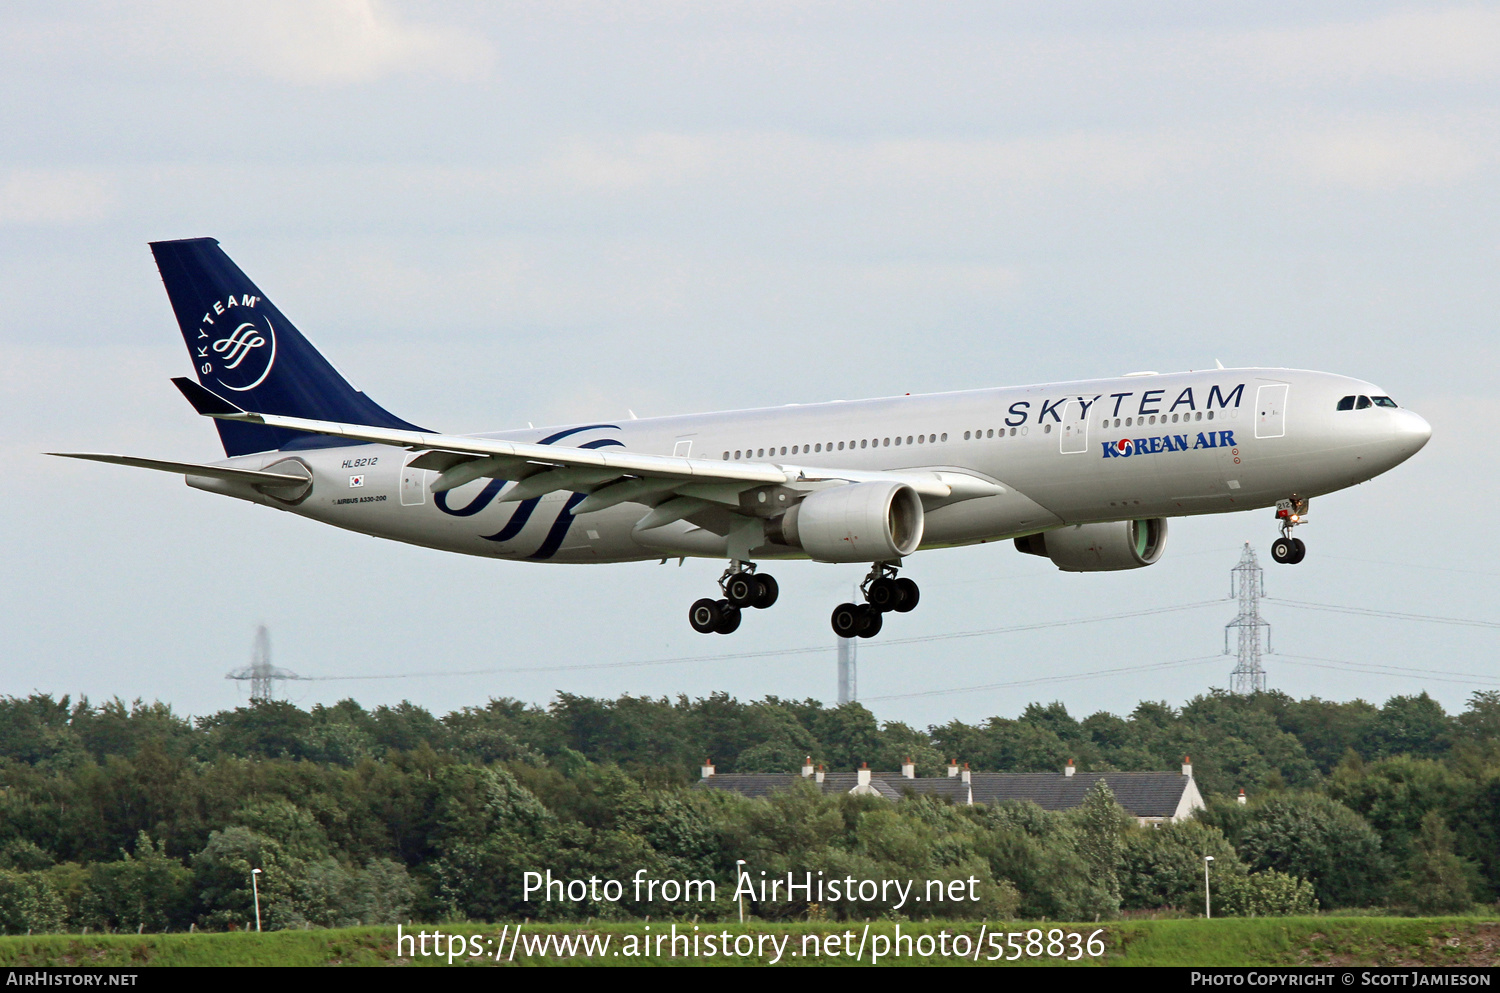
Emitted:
pixel 1208 911
pixel 740 868
pixel 255 889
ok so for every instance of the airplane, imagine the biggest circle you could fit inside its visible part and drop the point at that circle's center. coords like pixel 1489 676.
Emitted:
pixel 1084 473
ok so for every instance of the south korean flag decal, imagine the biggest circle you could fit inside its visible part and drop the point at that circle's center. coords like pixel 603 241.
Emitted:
pixel 356 481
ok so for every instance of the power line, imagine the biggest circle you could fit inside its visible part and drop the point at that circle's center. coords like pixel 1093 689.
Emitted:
pixel 1149 667
pixel 1380 669
pixel 771 652
pixel 1389 614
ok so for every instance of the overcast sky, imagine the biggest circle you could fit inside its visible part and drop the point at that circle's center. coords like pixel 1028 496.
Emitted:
pixel 487 214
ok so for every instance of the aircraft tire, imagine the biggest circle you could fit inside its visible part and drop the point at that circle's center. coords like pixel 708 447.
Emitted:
pixel 729 617
pixel 884 594
pixel 910 594
pixel 871 622
pixel 742 589
pixel 846 620
pixel 1282 550
pixel 1299 551
pixel 703 615
pixel 769 591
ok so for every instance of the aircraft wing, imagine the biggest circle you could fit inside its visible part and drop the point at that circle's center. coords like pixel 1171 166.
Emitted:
pixel 675 487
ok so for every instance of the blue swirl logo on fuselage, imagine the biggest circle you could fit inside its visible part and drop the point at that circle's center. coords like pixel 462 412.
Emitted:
pixel 521 516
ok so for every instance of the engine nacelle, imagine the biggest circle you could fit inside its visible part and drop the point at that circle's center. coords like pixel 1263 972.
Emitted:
pixel 1100 547
pixel 861 522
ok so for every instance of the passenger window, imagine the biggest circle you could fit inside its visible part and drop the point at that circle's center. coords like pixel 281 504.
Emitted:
pixel 1210 415
pixel 1362 403
pixel 966 436
pixel 864 443
pixel 1047 429
pixel 783 449
pixel 908 439
pixel 1346 403
pixel 726 456
pixel 736 453
pixel 1384 401
pixel 944 437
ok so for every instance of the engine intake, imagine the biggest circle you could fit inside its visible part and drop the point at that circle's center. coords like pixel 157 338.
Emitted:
pixel 861 522
pixel 1105 547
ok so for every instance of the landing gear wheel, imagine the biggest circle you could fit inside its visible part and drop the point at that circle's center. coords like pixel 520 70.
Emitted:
pixel 847 618
pixel 729 618
pixel 769 591
pixel 1299 551
pixel 909 595
pixel 704 616
pixel 742 589
pixel 884 594
pixel 870 621
pixel 1283 551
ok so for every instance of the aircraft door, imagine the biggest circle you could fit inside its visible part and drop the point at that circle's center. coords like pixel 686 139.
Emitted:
pixel 1075 428
pixel 413 487
pixel 1270 410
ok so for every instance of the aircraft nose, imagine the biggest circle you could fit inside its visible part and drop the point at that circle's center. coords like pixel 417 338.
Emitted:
pixel 1412 432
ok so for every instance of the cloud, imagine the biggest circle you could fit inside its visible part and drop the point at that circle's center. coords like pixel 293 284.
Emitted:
pixel 1383 156
pixel 338 41
pixel 54 196
pixel 1456 43
pixel 305 42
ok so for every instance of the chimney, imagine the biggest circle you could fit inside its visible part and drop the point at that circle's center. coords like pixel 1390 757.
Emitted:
pixel 953 768
pixel 908 769
pixel 818 776
pixel 864 774
pixel 1069 770
pixel 966 774
pixel 708 768
pixel 1187 766
pixel 1241 798
pixel 807 767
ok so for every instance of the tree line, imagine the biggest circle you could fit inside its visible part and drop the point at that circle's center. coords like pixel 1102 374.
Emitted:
pixel 130 817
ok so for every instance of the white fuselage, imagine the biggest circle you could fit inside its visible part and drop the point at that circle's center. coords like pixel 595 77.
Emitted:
pixel 1104 450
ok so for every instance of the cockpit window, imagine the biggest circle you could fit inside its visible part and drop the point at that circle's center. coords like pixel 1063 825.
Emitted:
pixel 1383 401
pixel 1346 403
pixel 1362 403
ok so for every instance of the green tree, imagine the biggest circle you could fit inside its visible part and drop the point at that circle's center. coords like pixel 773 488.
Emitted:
pixel 1101 823
pixel 1311 837
pixel 1437 881
pixel 1408 725
pixel 1163 866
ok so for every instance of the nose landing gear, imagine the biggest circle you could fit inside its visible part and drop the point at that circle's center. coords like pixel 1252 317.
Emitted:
pixel 1289 513
pixel 883 592
pixel 743 588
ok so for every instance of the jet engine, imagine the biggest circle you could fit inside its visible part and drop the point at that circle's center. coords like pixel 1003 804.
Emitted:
pixel 860 522
pixel 1100 547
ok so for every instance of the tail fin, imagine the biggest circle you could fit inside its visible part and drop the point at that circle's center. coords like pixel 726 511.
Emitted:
pixel 241 345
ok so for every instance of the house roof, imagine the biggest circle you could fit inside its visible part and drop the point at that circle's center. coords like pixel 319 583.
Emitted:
pixel 1143 794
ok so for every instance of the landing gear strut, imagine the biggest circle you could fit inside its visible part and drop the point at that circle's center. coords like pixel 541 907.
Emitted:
pixel 743 588
pixel 1289 513
pixel 883 592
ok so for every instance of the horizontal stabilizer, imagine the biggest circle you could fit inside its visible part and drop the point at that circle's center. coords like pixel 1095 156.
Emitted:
pixel 204 401
pixel 192 469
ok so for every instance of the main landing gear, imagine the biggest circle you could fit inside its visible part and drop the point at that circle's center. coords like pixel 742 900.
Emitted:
pixel 883 592
pixel 742 588
pixel 1289 513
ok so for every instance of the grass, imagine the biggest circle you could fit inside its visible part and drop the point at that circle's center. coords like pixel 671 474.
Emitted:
pixel 1227 942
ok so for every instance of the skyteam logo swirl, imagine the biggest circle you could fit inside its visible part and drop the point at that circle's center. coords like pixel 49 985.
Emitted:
pixel 521 516
pixel 246 355
pixel 235 344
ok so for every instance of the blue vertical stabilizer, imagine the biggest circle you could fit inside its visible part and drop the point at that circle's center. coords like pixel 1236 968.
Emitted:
pixel 245 350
